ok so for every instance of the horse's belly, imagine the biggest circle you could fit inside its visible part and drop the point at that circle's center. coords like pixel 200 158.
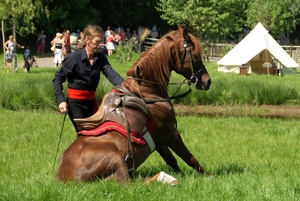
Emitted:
pixel 89 157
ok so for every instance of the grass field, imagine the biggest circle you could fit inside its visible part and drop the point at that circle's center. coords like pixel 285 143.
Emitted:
pixel 250 158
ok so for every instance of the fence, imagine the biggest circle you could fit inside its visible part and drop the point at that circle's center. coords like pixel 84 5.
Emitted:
pixel 148 43
pixel 215 51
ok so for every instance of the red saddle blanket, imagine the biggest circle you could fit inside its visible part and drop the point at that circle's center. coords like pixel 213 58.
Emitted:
pixel 112 126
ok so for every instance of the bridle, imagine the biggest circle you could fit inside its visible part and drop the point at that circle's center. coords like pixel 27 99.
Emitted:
pixel 193 79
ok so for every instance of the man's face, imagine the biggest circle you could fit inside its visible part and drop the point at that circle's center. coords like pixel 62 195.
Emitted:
pixel 94 44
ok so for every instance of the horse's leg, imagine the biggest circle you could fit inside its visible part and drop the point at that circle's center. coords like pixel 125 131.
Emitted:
pixel 180 149
pixel 166 154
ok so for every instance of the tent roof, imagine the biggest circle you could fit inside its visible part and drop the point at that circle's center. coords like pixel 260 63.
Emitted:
pixel 253 44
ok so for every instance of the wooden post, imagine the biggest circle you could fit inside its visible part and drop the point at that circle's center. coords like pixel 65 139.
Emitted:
pixel 3 39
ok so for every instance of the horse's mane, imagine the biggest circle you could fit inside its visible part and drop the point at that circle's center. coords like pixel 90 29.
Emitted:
pixel 155 64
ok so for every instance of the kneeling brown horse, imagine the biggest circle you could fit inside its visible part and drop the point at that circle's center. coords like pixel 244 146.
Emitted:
pixel 103 156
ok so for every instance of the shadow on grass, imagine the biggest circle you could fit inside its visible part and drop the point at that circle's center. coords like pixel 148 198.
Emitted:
pixel 229 169
pixel 34 70
pixel 146 172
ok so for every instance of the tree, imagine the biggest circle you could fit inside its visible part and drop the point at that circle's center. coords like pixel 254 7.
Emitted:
pixel 212 18
pixel 19 16
pixel 21 13
pixel 3 17
pixel 277 16
pixel 68 14
pixel 129 14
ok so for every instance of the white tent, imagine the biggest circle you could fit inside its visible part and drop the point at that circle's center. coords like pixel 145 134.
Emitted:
pixel 257 50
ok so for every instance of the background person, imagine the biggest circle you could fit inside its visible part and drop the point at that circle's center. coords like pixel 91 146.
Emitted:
pixel 123 35
pixel 110 46
pixel 67 42
pixel 27 56
pixel 59 44
pixel 117 37
pixel 73 41
pixel 79 40
pixel 154 33
pixel 41 42
pixel 107 33
pixel 135 37
pixel 82 70
pixel 8 57
pixel 10 44
pixel 128 34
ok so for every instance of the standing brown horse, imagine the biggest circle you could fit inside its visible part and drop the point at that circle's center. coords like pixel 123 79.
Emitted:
pixel 106 156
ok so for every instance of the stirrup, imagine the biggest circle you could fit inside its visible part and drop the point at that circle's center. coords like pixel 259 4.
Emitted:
pixel 130 156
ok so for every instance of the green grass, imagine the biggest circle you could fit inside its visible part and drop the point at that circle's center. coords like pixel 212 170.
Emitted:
pixel 34 90
pixel 249 158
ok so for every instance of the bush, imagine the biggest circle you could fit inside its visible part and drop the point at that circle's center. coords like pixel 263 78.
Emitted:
pixel 34 90
pixel 124 51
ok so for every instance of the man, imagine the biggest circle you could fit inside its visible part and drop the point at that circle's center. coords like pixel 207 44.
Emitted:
pixel 27 56
pixel 82 70
pixel 128 34
pixel 107 33
pixel 73 41
pixel 67 42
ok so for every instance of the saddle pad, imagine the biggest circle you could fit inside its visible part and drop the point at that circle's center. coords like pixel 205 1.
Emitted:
pixel 112 126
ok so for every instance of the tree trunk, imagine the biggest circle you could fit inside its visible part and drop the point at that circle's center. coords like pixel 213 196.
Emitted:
pixel 3 39
pixel 15 46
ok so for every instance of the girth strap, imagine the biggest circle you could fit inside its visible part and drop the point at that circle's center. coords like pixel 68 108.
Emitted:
pixel 126 125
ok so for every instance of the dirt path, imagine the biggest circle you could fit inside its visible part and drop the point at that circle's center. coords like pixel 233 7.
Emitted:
pixel 268 111
pixel 45 61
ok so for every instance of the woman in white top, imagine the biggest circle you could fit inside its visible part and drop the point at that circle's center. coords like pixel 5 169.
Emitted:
pixel 59 43
pixel 9 44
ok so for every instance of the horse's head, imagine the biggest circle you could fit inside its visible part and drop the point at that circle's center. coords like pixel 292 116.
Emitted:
pixel 188 60
pixel 177 51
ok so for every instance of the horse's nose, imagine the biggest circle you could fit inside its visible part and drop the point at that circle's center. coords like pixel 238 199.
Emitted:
pixel 207 85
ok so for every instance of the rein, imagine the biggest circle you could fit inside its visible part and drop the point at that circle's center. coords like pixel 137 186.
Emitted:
pixel 170 98
pixel 152 82
pixel 193 79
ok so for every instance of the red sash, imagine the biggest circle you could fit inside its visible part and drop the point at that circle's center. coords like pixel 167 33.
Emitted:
pixel 83 95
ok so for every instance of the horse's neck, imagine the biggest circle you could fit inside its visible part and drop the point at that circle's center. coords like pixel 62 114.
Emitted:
pixel 151 73
pixel 144 90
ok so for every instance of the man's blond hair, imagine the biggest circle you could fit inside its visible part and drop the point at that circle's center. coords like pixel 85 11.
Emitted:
pixel 89 32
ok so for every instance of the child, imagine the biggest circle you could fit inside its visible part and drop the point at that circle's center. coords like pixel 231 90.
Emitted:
pixel 8 57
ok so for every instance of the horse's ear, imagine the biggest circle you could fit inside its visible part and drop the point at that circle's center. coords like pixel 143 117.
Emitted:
pixel 138 71
pixel 185 34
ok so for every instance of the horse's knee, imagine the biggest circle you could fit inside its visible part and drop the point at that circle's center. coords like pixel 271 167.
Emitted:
pixel 120 170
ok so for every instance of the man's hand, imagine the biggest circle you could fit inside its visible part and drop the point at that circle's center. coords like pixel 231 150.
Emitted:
pixel 63 107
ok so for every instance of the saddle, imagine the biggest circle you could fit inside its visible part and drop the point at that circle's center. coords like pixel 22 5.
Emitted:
pixel 118 107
